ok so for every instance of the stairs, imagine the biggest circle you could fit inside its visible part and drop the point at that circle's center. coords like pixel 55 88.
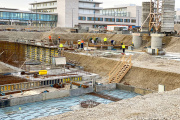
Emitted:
pixel 120 70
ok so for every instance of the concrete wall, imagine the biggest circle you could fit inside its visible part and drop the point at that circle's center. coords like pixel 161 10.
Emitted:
pixel 106 87
pixel 133 89
pixel 56 94
pixel 47 96
pixel 26 99
pixel 145 14
pixel 65 10
pixel 80 91
pixel 38 97
pixel 167 20
pixel 91 77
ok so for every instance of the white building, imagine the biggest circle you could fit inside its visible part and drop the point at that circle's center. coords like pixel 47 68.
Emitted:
pixel 87 13
pixel 177 16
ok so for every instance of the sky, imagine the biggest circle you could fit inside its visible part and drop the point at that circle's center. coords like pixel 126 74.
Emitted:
pixel 24 4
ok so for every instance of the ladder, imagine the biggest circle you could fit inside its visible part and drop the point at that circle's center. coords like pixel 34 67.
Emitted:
pixel 120 70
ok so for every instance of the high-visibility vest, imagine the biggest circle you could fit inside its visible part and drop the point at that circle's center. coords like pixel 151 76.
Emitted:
pixel 105 39
pixel 79 43
pixel 49 37
pixel 82 41
pixel 123 46
pixel 61 45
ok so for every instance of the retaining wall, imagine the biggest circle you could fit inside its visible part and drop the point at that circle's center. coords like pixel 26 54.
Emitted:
pixel 106 87
pixel 80 91
pixel 55 95
pixel 34 98
pixel 26 99
pixel 72 92
pixel 44 96
pixel 133 89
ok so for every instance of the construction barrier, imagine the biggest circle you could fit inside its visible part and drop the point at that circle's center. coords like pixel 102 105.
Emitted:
pixel 35 84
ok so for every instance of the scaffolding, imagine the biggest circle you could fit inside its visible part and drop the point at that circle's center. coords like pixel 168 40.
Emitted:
pixel 155 15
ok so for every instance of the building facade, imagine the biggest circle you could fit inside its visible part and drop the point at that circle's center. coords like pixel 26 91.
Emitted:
pixel 177 16
pixel 10 16
pixel 88 13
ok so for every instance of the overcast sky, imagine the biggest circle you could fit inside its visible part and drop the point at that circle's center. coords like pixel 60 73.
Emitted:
pixel 24 4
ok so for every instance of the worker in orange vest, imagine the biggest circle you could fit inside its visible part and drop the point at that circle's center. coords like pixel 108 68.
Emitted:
pixel 50 38
pixel 59 39
pixel 82 43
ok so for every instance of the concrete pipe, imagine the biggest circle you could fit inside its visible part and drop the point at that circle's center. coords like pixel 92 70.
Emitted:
pixel 137 40
pixel 156 41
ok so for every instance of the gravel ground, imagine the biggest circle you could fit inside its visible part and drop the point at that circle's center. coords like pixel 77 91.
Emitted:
pixel 161 106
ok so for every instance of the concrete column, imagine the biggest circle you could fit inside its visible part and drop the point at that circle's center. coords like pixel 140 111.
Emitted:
pixel 156 41
pixel 137 40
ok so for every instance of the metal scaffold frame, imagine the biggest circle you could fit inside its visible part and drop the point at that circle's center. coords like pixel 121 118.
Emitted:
pixel 155 15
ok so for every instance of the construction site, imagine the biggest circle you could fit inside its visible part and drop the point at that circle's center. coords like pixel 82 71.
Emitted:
pixel 58 74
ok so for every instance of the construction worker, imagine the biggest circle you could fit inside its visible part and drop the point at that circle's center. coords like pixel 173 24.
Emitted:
pixel 90 40
pixel 121 43
pixel 105 40
pixel 49 38
pixel 60 48
pixel 95 40
pixel 132 45
pixel 82 43
pixel 59 39
pixel 79 44
pixel 112 41
pixel 123 47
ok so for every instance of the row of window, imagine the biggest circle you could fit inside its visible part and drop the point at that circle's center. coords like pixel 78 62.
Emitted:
pixel 27 16
pixel 47 10
pixel 107 19
pixel 44 4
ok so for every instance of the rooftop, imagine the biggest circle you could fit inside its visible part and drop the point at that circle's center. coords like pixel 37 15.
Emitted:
pixel 43 2
pixel 8 8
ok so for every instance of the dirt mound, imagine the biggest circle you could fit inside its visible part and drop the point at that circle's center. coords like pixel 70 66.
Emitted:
pixel 174 45
pixel 158 106
pixel 60 30
pixel 98 65
pixel 144 57
pixel 177 27
pixel 139 77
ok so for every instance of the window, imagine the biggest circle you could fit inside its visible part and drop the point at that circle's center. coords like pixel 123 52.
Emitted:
pixel 90 18
pixel 96 19
pixel 99 19
pixel 110 19
pixel 133 21
pixel 119 20
pixel 45 4
pixel 127 20
pixel 27 16
pixel 82 18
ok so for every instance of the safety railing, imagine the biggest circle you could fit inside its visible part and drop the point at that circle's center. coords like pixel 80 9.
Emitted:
pixel 35 84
